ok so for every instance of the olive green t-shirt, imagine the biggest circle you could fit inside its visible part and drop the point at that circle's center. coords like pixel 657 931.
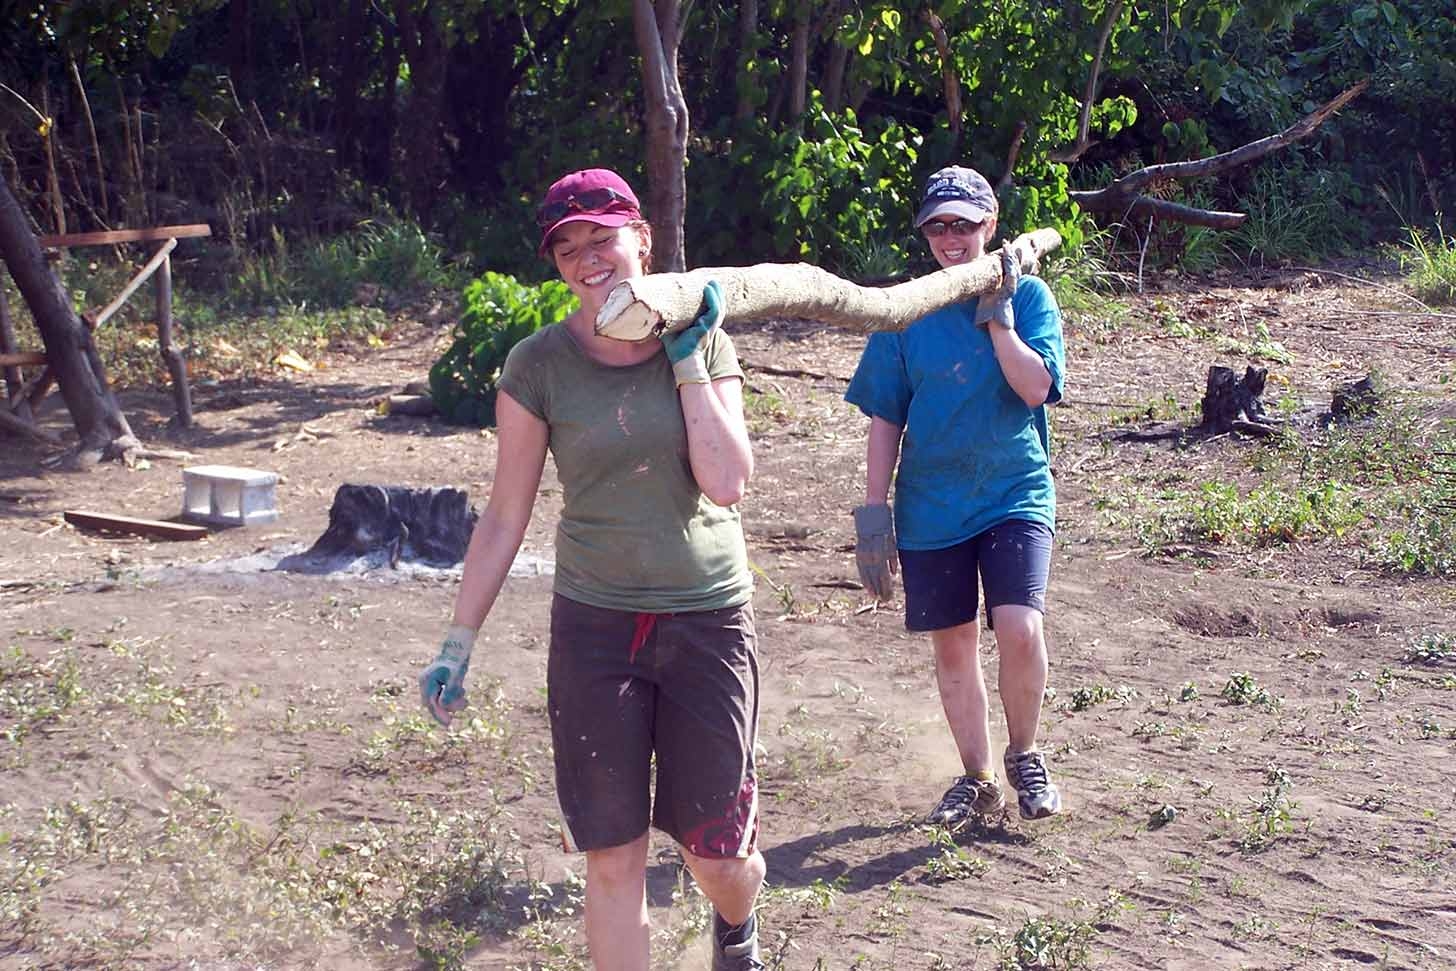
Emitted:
pixel 636 532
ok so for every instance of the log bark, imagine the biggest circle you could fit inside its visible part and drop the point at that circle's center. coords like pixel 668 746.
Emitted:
pixel 68 344
pixel 660 303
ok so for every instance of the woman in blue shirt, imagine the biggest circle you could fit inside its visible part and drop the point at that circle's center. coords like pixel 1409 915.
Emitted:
pixel 958 400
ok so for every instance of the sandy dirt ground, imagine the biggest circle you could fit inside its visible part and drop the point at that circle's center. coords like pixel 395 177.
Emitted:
pixel 212 765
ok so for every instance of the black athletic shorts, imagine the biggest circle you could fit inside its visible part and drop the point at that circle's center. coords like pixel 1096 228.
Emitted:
pixel 1012 560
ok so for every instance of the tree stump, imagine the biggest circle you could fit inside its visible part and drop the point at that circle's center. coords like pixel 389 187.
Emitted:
pixel 428 526
pixel 1354 400
pixel 1230 403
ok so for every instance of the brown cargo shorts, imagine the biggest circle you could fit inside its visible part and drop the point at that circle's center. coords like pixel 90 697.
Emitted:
pixel 623 687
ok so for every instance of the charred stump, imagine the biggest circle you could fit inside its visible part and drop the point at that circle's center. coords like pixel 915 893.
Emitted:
pixel 428 526
pixel 1353 401
pixel 1233 404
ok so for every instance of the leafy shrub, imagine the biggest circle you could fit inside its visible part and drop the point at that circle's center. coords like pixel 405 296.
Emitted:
pixel 1425 543
pixel 1270 513
pixel 1291 217
pixel 396 253
pixel 392 252
pixel 1430 265
pixel 498 313
pixel 827 190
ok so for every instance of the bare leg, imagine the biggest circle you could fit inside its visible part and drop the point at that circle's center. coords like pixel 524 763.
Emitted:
pixel 731 885
pixel 616 907
pixel 1023 676
pixel 963 693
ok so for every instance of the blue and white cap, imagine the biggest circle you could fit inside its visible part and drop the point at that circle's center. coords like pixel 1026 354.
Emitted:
pixel 957 191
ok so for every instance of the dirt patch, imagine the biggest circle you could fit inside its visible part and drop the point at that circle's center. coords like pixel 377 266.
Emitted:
pixel 246 780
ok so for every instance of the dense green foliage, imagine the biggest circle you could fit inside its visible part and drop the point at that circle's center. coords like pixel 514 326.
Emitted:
pixel 498 313
pixel 301 120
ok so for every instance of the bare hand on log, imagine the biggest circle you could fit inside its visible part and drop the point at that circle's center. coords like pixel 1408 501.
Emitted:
pixel 664 303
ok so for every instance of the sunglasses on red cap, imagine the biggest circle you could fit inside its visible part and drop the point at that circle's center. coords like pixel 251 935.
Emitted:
pixel 589 201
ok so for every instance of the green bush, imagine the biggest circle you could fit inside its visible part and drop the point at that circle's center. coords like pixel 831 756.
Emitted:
pixel 1430 265
pixel 831 192
pixel 392 252
pixel 499 312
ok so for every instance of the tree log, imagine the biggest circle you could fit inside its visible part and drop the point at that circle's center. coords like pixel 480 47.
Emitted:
pixel 69 348
pixel 664 303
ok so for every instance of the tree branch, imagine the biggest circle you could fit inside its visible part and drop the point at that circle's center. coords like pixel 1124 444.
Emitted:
pixel 948 76
pixel 1126 193
pixel 1008 173
pixel 1084 119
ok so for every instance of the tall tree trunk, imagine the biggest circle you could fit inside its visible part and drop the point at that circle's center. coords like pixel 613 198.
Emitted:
pixel 834 76
pixel 352 59
pixel 240 47
pixel 799 61
pixel 70 351
pixel 425 49
pixel 747 54
pixel 659 32
pixel 383 169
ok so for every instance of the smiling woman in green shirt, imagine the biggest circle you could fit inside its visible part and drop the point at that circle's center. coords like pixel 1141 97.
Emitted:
pixel 653 656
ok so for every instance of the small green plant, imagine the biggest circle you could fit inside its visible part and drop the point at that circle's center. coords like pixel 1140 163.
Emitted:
pixel 1271 815
pixel 1425 540
pixel 1242 689
pixel 498 314
pixel 1045 944
pixel 1294 213
pixel 952 862
pixel 1086 286
pixel 1431 649
pixel 1093 695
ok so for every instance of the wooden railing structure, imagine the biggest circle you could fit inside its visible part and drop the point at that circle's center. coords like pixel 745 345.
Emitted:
pixel 23 396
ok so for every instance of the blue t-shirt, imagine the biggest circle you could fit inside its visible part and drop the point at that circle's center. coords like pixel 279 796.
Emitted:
pixel 973 454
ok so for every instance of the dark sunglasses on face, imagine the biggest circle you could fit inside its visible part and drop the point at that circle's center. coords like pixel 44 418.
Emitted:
pixel 958 227
pixel 592 200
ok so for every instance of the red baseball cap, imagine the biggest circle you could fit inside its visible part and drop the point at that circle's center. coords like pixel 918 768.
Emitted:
pixel 598 196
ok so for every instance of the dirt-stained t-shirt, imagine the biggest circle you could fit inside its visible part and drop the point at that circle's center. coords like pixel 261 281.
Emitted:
pixel 973 454
pixel 636 532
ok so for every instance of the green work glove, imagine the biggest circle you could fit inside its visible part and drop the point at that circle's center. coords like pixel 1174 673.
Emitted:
pixel 995 306
pixel 874 549
pixel 442 682
pixel 685 348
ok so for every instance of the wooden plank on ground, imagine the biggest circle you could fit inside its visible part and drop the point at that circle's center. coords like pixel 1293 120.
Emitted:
pixel 155 528
pixel 22 358
pixel 114 236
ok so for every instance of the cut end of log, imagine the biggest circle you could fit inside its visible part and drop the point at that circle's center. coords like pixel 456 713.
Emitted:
pixel 625 318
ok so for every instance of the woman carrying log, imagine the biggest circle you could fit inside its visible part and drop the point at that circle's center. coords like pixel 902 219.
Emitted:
pixel 653 651
pixel 958 401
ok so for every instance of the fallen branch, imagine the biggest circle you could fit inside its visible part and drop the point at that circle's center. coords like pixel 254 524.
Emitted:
pixel 663 303
pixel 1125 196
pixel 789 372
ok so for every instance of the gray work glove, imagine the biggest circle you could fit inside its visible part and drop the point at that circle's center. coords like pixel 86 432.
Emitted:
pixel 995 307
pixel 685 348
pixel 442 682
pixel 874 549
